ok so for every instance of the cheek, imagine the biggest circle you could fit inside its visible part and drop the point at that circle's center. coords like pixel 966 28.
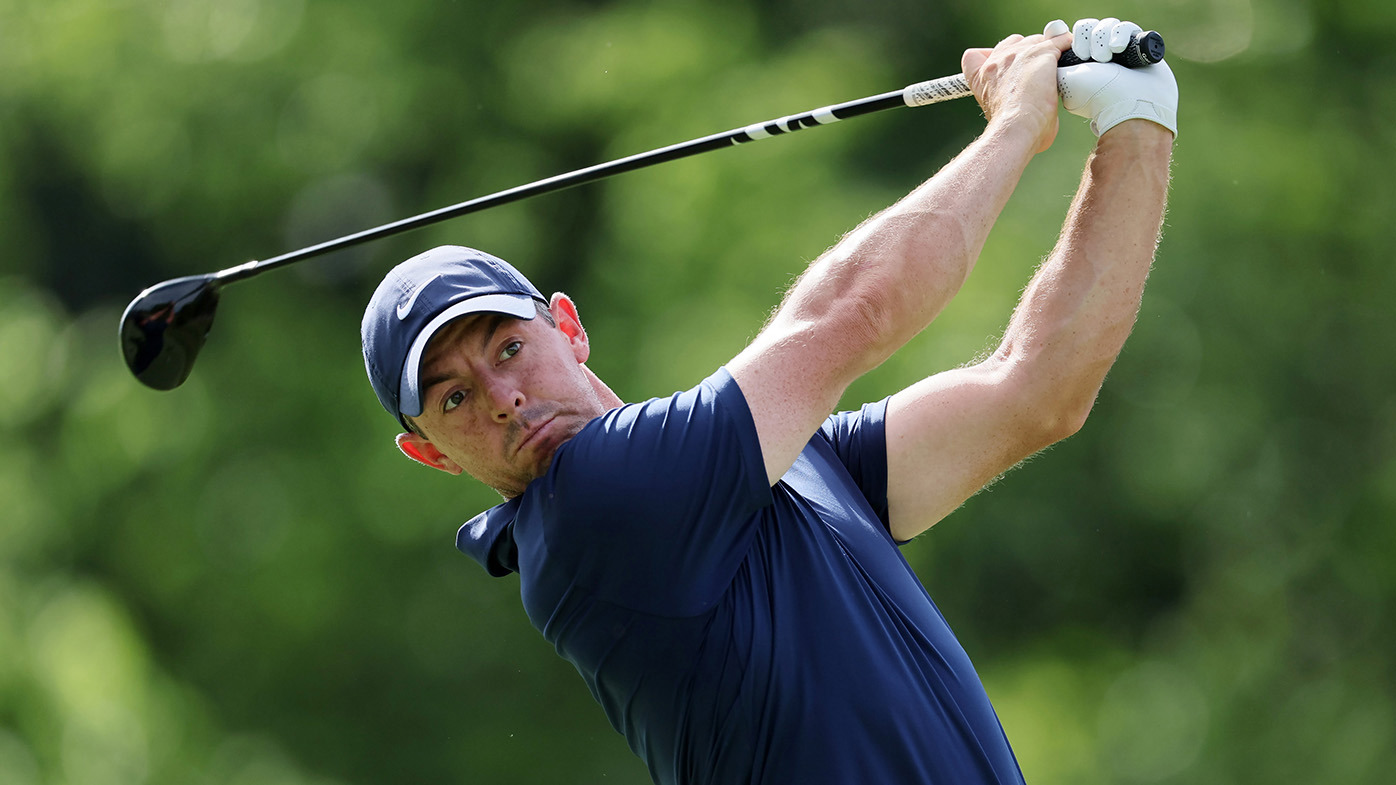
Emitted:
pixel 570 386
pixel 475 461
pixel 463 438
pixel 553 377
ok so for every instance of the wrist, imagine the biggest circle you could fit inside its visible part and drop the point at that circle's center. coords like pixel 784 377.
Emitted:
pixel 1138 134
pixel 1014 131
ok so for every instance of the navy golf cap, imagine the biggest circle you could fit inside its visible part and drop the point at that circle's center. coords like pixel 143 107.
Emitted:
pixel 419 297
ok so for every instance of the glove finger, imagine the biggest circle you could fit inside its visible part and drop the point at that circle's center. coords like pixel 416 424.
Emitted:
pixel 1055 28
pixel 1081 37
pixel 1121 35
pixel 1100 39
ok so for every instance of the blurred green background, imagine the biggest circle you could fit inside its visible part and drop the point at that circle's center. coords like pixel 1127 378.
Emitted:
pixel 242 582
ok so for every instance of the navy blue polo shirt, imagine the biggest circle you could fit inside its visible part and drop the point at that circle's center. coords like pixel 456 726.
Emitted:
pixel 736 632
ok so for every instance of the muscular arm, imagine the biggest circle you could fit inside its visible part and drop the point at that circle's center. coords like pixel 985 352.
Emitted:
pixel 871 293
pixel 886 280
pixel 954 432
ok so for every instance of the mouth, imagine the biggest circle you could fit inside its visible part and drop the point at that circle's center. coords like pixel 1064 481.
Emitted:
pixel 535 436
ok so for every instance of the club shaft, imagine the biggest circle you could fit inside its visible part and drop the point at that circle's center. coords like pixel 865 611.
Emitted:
pixel 919 94
pixel 750 133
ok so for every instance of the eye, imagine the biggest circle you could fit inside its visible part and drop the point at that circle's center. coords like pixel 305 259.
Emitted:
pixel 453 400
pixel 510 350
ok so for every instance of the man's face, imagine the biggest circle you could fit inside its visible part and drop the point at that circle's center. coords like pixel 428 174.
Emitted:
pixel 501 394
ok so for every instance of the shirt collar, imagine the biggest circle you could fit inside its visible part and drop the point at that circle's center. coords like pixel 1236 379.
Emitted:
pixel 488 538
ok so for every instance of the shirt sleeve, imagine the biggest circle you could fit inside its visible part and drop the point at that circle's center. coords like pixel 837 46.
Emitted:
pixel 860 441
pixel 654 505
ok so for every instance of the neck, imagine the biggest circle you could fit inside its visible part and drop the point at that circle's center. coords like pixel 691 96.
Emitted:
pixel 607 397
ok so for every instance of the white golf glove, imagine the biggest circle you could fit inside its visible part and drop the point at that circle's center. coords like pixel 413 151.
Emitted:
pixel 1109 94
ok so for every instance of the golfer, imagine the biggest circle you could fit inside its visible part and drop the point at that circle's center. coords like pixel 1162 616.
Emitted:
pixel 721 565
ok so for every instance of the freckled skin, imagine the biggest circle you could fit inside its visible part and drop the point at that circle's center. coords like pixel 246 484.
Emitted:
pixel 503 394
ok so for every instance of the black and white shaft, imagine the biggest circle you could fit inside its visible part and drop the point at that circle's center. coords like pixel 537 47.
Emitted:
pixel 165 326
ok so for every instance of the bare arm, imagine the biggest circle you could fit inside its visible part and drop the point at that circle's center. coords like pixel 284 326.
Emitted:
pixel 886 280
pixel 871 293
pixel 951 434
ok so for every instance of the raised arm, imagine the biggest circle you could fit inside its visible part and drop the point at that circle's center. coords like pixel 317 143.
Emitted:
pixel 951 434
pixel 886 280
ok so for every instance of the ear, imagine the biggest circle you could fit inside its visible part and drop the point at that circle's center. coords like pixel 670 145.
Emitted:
pixel 416 447
pixel 564 312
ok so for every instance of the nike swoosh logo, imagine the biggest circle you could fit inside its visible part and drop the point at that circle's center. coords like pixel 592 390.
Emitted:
pixel 404 308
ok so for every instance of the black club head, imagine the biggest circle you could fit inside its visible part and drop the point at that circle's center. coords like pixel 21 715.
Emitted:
pixel 163 329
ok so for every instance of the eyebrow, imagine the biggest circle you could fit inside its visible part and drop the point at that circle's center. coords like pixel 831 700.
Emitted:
pixel 492 327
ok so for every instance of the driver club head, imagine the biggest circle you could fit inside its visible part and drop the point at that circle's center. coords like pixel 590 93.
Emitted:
pixel 163 329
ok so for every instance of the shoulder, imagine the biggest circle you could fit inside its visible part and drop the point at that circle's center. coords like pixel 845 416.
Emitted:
pixel 679 425
pixel 653 491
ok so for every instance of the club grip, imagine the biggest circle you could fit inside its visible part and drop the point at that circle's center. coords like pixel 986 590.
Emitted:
pixel 1145 48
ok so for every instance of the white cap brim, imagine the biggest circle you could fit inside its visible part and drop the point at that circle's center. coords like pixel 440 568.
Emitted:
pixel 409 392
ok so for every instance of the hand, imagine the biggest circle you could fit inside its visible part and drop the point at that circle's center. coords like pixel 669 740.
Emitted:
pixel 1016 81
pixel 1109 94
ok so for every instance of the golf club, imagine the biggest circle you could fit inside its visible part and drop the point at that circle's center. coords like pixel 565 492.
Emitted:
pixel 165 326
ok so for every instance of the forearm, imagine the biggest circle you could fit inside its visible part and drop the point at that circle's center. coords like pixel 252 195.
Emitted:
pixel 1081 305
pixel 887 279
pixel 872 292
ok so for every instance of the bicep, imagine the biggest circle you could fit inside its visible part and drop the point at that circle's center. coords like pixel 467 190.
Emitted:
pixel 950 435
pixel 791 384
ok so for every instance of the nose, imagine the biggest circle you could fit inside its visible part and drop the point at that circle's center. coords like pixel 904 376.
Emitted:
pixel 505 399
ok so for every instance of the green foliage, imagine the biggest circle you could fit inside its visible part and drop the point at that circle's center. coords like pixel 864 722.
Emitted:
pixel 241 582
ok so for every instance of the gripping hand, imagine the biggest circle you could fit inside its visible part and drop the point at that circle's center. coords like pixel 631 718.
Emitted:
pixel 1108 94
